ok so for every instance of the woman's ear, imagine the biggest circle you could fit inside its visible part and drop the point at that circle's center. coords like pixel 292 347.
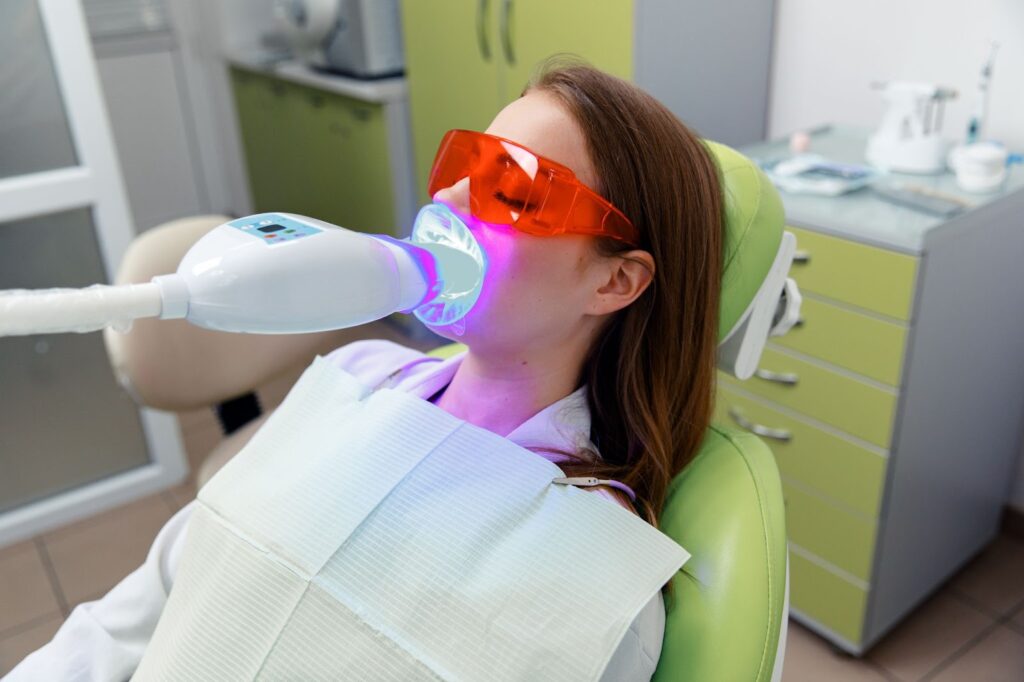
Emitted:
pixel 627 276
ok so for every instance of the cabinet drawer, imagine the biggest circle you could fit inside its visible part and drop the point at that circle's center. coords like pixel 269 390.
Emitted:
pixel 859 343
pixel 826 597
pixel 838 468
pixel 860 409
pixel 835 535
pixel 864 276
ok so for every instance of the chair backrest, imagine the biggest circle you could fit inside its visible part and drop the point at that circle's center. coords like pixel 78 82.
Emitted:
pixel 727 614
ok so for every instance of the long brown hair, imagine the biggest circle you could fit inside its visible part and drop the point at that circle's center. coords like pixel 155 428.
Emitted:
pixel 650 374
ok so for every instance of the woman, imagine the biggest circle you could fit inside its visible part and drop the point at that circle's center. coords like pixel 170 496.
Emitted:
pixel 594 348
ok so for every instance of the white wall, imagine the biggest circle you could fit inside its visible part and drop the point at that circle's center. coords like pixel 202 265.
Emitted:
pixel 827 53
pixel 206 31
pixel 246 24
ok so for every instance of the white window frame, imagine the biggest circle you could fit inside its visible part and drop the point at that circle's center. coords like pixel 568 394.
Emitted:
pixel 94 183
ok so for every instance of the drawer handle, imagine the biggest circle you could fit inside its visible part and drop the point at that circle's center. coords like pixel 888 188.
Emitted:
pixel 787 378
pixel 801 257
pixel 759 430
pixel 506 32
pixel 481 31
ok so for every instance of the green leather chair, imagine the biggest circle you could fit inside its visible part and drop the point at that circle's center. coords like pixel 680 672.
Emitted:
pixel 728 614
pixel 727 617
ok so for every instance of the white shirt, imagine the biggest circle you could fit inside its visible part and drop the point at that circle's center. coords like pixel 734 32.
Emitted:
pixel 105 639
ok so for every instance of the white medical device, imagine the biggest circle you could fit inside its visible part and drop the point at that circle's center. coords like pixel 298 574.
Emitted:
pixel 357 38
pixel 278 273
pixel 909 139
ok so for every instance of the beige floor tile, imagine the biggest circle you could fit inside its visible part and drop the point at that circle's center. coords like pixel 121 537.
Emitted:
pixel 90 557
pixel 24 642
pixel 16 548
pixel 999 657
pixel 25 590
pixel 993 580
pixel 1017 622
pixel 928 637
pixel 809 658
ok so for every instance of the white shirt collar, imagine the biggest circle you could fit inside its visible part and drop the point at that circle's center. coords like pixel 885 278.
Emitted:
pixel 562 425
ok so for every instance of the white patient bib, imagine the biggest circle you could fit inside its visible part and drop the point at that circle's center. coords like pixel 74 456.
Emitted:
pixel 373 536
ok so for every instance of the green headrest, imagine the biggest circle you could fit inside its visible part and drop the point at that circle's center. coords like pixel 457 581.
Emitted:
pixel 754 221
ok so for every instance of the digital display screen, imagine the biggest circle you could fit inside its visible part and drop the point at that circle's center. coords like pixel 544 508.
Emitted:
pixel 270 228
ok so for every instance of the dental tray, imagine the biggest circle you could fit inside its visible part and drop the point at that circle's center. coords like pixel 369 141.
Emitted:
pixel 814 174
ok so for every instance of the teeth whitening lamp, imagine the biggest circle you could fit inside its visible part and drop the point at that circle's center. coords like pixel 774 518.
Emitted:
pixel 279 273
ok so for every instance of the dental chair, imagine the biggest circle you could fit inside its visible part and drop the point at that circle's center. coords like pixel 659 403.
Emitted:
pixel 728 614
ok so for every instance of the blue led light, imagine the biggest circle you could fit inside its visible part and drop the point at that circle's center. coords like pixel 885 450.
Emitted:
pixel 461 264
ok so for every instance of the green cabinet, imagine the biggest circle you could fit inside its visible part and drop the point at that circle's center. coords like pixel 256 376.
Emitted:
pixel 466 59
pixel 894 410
pixel 825 396
pixel 315 152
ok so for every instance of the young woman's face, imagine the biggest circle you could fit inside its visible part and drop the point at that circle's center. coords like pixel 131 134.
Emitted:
pixel 537 290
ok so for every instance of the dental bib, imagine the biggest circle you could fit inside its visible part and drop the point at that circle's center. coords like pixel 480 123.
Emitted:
pixel 370 535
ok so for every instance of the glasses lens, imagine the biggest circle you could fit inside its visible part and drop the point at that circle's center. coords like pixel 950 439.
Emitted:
pixel 452 163
pixel 510 185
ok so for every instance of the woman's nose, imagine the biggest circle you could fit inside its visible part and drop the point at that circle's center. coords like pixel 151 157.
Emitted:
pixel 455 197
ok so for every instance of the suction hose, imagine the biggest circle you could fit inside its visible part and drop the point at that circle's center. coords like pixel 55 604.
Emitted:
pixel 278 273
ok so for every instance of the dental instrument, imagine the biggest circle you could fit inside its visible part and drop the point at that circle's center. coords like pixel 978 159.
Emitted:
pixel 279 273
pixel 909 139
pixel 976 124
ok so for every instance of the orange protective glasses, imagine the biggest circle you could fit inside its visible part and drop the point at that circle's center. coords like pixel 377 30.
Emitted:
pixel 510 185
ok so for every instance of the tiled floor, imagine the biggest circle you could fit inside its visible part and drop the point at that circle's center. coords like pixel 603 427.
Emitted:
pixel 971 631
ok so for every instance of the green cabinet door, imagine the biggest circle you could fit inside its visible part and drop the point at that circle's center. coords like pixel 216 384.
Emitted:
pixel 264 118
pixel 309 139
pixel 530 31
pixel 315 153
pixel 450 53
pixel 345 169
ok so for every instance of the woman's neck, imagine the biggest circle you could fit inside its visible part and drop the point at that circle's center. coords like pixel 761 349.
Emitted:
pixel 499 394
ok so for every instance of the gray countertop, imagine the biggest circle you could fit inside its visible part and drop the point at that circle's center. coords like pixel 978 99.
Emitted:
pixel 862 215
pixel 383 90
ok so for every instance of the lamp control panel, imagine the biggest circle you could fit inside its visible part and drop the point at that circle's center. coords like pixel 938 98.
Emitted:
pixel 273 228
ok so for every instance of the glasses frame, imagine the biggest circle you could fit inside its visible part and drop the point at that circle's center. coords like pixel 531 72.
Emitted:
pixel 559 202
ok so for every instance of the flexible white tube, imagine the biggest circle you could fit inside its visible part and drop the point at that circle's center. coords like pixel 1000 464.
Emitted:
pixel 50 311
